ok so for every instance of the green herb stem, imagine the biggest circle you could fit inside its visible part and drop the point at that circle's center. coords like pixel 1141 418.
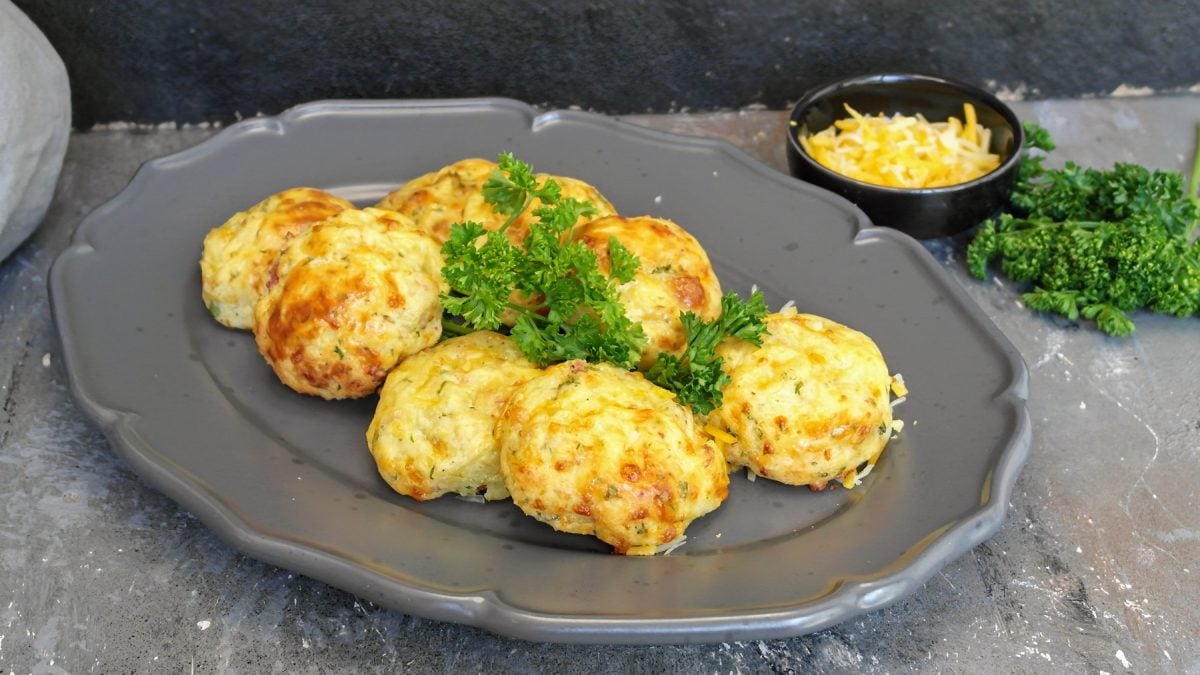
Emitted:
pixel 515 214
pixel 1194 183
pixel 455 327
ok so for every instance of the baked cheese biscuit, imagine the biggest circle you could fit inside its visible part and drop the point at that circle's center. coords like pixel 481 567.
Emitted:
pixel 674 276
pixel 454 194
pixel 432 430
pixel 237 255
pixel 810 406
pixel 594 449
pixel 347 300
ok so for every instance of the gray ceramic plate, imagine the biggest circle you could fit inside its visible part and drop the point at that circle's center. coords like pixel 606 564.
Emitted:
pixel 287 479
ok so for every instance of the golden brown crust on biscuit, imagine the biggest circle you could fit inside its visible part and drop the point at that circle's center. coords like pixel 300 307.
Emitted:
pixel 454 194
pixel 432 430
pixel 593 449
pixel 675 276
pixel 347 300
pixel 809 405
pixel 237 257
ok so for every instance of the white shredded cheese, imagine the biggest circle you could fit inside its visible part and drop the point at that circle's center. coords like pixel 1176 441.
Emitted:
pixel 667 548
pixel 904 151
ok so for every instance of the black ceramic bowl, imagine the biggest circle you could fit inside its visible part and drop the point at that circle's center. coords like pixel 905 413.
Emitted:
pixel 921 212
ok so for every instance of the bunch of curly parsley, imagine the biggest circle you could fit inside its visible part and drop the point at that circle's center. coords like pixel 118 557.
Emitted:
pixel 1096 244
pixel 565 306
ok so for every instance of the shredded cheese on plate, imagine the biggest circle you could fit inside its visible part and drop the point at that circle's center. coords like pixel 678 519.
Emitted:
pixel 720 435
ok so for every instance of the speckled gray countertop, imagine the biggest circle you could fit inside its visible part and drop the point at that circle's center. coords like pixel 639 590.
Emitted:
pixel 1095 569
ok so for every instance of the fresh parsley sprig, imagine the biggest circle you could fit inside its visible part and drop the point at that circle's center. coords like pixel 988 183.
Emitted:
pixel 568 308
pixel 697 377
pixel 512 187
pixel 1097 244
pixel 480 275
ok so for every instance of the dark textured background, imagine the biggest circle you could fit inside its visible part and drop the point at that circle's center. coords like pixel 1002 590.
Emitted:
pixel 196 60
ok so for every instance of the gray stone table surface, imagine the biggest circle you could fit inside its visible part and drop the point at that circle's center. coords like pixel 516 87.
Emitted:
pixel 1095 570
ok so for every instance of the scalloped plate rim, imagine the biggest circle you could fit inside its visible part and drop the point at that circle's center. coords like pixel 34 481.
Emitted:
pixel 485 609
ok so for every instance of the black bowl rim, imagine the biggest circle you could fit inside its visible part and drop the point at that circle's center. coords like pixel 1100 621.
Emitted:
pixel 813 95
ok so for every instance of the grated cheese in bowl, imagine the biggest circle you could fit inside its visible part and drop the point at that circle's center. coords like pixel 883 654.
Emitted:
pixel 904 151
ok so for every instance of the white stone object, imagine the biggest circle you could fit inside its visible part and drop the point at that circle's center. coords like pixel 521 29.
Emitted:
pixel 35 122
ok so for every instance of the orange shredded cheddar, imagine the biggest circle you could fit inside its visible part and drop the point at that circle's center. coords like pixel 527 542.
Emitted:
pixel 904 152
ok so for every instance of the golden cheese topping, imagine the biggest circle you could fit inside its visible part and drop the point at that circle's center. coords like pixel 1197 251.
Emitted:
pixel 432 430
pixel 347 300
pixel 237 255
pixel 808 406
pixel 594 449
pixel 675 276
pixel 904 151
pixel 454 194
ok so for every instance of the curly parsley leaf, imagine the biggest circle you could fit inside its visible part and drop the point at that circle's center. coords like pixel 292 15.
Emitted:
pixel 697 377
pixel 1097 244
pixel 623 264
pixel 509 186
pixel 1037 137
pixel 480 275
pixel 570 308
pixel 744 319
